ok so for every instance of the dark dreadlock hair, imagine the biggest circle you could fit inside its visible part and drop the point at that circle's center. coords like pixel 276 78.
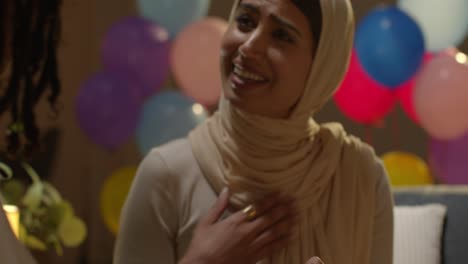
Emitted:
pixel 29 36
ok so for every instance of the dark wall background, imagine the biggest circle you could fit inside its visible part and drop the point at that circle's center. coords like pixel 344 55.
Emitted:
pixel 79 167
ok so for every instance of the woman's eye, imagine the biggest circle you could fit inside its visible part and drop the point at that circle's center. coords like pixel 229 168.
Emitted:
pixel 283 35
pixel 245 22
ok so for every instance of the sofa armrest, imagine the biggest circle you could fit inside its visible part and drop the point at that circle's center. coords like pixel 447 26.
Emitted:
pixel 455 237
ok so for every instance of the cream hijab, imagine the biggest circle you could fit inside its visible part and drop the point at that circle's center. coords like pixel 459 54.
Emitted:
pixel 328 172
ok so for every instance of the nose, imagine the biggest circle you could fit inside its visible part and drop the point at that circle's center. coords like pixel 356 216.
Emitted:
pixel 254 45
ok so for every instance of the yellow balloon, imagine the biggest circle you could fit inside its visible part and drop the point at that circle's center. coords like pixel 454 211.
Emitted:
pixel 406 169
pixel 113 195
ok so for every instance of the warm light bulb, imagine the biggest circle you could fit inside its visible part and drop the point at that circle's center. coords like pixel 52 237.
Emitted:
pixel 160 34
pixel 461 58
pixel 198 109
pixel 13 217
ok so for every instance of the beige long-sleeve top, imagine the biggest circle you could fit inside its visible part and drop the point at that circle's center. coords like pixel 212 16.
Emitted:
pixel 170 194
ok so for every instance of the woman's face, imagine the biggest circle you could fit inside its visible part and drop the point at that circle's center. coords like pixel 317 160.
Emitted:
pixel 266 57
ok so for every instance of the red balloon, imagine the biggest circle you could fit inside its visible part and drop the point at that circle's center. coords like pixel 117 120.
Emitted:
pixel 362 99
pixel 405 93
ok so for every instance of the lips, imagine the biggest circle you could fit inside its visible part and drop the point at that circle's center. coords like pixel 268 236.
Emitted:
pixel 247 75
pixel 241 77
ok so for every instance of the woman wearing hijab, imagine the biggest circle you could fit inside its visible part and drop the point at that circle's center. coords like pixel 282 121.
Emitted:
pixel 293 188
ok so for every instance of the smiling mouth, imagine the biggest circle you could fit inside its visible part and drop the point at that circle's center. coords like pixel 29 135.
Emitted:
pixel 246 75
pixel 242 78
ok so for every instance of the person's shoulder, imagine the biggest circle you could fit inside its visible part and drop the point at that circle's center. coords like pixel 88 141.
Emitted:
pixel 169 161
pixel 360 148
pixel 176 154
pixel 349 143
pixel 369 161
pixel 354 149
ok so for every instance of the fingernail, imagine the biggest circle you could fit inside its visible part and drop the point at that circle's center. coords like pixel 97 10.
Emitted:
pixel 224 191
pixel 317 260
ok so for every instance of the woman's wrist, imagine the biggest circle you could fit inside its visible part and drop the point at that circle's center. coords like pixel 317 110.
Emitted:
pixel 185 260
pixel 189 259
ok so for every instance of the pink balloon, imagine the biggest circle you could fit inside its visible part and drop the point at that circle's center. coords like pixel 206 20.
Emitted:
pixel 406 91
pixel 441 95
pixel 195 60
pixel 361 98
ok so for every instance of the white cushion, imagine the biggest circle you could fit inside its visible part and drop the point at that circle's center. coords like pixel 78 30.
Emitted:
pixel 418 234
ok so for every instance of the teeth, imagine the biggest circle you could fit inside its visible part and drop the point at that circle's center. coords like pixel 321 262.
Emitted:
pixel 247 75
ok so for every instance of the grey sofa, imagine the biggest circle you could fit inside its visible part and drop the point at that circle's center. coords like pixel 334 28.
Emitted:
pixel 455 235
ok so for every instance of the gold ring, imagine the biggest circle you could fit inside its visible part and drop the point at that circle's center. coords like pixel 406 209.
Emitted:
pixel 250 212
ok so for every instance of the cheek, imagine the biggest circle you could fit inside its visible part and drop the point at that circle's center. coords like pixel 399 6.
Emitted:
pixel 230 42
pixel 300 68
pixel 291 69
pixel 226 53
pixel 229 46
pixel 293 74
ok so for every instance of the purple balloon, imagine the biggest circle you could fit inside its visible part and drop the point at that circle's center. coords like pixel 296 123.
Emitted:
pixel 107 109
pixel 449 160
pixel 140 49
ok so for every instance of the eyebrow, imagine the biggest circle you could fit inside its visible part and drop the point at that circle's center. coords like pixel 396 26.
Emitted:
pixel 250 8
pixel 254 9
pixel 285 24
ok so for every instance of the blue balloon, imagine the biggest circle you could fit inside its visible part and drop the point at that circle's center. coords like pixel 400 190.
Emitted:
pixel 390 46
pixel 173 15
pixel 165 117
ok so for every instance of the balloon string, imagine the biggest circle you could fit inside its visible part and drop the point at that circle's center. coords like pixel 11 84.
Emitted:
pixel 444 161
pixel 395 130
pixel 434 174
pixel 438 162
pixel 118 160
pixel 368 135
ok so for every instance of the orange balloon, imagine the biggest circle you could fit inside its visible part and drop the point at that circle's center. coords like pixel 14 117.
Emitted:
pixel 113 195
pixel 405 169
pixel 195 60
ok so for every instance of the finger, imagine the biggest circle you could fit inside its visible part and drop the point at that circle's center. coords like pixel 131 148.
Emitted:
pixel 315 260
pixel 218 209
pixel 261 206
pixel 283 228
pixel 269 249
pixel 270 218
pixel 268 202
